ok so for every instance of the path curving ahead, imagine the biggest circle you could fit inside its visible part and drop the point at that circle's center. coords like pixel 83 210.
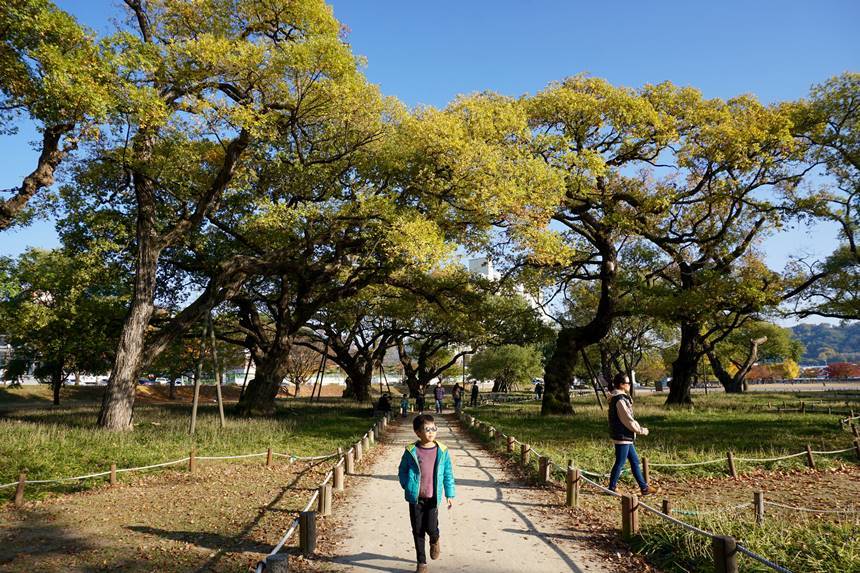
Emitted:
pixel 496 525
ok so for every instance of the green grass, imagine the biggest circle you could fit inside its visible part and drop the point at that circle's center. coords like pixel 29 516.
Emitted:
pixel 716 424
pixel 807 545
pixel 52 442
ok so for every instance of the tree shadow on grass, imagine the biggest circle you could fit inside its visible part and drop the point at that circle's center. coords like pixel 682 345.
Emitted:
pixel 35 535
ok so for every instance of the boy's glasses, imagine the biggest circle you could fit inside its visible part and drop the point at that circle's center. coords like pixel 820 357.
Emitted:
pixel 430 428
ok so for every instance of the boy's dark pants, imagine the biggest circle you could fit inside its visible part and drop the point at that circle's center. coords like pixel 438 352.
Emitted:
pixel 424 517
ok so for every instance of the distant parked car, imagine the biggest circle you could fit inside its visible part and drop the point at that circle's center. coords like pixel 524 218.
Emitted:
pixel 162 381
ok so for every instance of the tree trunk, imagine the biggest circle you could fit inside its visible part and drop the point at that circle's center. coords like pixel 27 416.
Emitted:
pixel 118 401
pixel 56 384
pixel 684 367
pixel 271 369
pixel 731 384
pixel 360 380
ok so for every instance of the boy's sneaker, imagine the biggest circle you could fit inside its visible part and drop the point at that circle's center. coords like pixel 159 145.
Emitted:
pixel 651 491
pixel 422 568
pixel 435 549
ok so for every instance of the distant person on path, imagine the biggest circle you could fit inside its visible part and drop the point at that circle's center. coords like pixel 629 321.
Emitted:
pixel 474 400
pixel 425 471
pixel 384 404
pixel 623 428
pixel 457 395
pixel 404 405
pixel 439 394
pixel 419 401
pixel 539 390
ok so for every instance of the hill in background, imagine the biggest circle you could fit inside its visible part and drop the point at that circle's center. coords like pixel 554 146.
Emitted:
pixel 826 342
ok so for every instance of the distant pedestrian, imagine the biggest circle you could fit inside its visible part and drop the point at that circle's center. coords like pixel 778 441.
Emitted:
pixel 457 395
pixel 623 428
pixel 419 401
pixel 539 390
pixel 474 399
pixel 404 405
pixel 425 474
pixel 439 394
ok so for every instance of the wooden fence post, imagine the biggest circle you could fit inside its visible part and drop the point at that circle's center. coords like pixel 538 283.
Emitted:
pixel 358 452
pixel 725 554
pixel 492 433
pixel 574 482
pixel 646 473
pixel 337 479
pixel 365 444
pixel 325 500
pixel 308 532
pixel 857 448
pixel 371 437
pixel 525 449
pixel 192 460
pixel 19 489
pixel 758 504
pixel 269 458
pixel 810 461
pixel 544 467
pixel 667 507
pixel 511 441
pixel 629 516
pixel 113 475
pixel 349 463
pixel 278 563
pixel 731 460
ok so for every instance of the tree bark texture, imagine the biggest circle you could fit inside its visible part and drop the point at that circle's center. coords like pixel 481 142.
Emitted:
pixel 684 367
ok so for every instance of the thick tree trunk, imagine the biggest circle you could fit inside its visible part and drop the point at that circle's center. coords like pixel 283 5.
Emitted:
pixel 684 367
pixel 56 384
pixel 731 384
pixel 359 382
pixel 271 369
pixel 118 401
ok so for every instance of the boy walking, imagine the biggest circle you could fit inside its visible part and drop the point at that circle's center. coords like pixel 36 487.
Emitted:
pixel 425 473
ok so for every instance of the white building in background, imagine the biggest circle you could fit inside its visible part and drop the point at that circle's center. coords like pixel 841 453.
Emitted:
pixel 483 266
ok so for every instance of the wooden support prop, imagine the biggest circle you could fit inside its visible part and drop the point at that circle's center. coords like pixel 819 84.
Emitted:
pixel 511 441
pixel 525 454
pixel 667 507
pixel 19 489
pixel 308 532
pixel 810 461
pixel 278 563
pixel 324 506
pixel 731 460
pixel 358 453
pixel 349 463
pixel 629 516
pixel 113 475
pixel 758 504
pixel 338 477
pixel 646 472
pixel 192 460
pixel 857 448
pixel 725 550
pixel 269 457
pixel 544 467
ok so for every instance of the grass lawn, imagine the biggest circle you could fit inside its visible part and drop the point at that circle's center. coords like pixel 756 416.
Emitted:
pixel 50 442
pixel 716 424
pixel 820 543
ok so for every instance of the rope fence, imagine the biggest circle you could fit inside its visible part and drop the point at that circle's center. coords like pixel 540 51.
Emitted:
pixel 725 548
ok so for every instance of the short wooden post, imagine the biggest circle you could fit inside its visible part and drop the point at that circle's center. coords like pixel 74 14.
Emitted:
pixel 339 453
pixel 113 475
pixel 810 461
pixel 19 490
pixel 338 477
pixel 829 409
pixel 269 457
pixel 371 437
pixel 667 507
pixel 629 516
pixel 758 504
pixel 192 460
pixel 511 441
pixel 646 473
pixel 349 463
pixel 358 453
pixel 324 506
pixel 308 532
pixel 574 482
pixel 278 563
pixel 525 451
pixel 384 423
pixel 544 467
pixel 725 550
pixel 492 432
pixel 365 444
pixel 731 460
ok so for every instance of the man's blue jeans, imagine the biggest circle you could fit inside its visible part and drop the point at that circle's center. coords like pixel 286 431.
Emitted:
pixel 624 452
pixel 438 406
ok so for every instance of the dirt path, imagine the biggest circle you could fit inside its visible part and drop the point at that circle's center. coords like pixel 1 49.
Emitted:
pixel 497 524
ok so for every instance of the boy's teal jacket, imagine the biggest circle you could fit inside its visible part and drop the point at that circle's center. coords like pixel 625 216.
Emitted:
pixel 410 474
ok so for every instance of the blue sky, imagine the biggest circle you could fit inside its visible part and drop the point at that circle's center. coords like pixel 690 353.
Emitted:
pixel 428 52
